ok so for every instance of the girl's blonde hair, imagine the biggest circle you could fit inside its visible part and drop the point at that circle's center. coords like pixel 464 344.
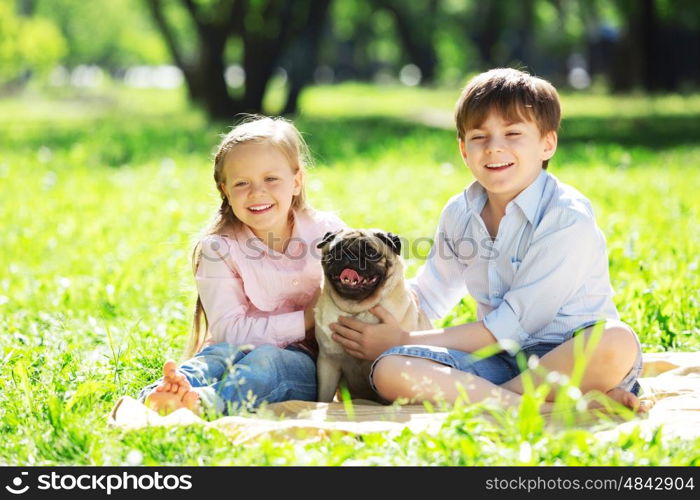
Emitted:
pixel 254 129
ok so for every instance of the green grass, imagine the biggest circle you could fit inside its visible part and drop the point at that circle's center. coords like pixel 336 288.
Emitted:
pixel 102 196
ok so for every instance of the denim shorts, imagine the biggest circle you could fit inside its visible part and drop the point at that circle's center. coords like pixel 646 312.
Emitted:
pixel 501 367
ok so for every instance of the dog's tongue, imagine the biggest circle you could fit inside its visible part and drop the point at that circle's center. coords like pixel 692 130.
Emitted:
pixel 350 274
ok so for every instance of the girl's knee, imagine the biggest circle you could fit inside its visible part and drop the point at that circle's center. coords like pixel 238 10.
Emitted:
pixel 265 355
pixel 267 350
pixel 274 363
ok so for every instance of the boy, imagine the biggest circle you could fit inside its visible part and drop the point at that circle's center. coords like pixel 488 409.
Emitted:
pixel 527 248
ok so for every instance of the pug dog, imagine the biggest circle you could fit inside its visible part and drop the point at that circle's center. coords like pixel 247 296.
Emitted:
pixel 361 269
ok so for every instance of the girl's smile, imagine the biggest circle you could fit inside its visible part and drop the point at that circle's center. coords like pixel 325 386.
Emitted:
pixel 260 209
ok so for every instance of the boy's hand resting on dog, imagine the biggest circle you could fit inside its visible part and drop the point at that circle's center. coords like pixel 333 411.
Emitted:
pixel 367 341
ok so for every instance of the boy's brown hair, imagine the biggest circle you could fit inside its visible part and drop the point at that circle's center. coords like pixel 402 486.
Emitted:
pixel 513 94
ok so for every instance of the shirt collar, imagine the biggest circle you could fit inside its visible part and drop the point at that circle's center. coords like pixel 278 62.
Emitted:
pixel 528 200
pixel 476 196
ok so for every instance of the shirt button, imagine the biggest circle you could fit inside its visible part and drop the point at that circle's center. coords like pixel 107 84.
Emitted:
pixel 295 282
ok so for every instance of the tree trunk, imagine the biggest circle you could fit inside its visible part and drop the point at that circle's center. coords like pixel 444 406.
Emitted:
pixel 26 8
pixel 647 39
pixel 627 64
pixel 657 73
pixel 263 45
pixel 305 57
pixel 416 34
pixel 258 63
pixel 522 49
pixel 489 33
pixel 210 85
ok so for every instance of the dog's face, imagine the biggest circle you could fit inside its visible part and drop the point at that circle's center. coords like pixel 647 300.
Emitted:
pixel 357 262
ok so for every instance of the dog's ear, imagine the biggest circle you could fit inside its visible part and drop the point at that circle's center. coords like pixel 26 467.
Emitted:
pixel 327 238
pixel 391 240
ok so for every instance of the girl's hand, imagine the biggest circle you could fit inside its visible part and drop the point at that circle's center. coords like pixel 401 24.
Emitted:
pixel 309 311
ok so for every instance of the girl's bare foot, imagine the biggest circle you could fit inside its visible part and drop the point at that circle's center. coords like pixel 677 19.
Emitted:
pixel 172 380
pixel 163 402
pixel 174 393
pixel 191 401
pixel 177 383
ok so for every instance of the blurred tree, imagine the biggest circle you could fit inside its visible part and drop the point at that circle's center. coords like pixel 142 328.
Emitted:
pixel 495 30
pixel 558 33
pixel 374 39
pixel 346 51
pixel 113 35
pixel 649 44
pixel 448 38
pixel 487 28
pixel 487 34
pixel 302 58
pixel 524 31
pixel 659 47
pixel 416 28
pixel 27 45
pixel 267 29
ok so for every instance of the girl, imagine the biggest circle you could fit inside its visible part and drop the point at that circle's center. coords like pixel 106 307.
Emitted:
pixel 258 275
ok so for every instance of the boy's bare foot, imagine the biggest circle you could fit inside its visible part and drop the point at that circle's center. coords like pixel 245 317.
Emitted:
pixel 546 408
pixel 624 398
pixel 629 400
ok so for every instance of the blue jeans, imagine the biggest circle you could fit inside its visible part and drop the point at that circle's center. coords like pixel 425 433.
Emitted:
pixel 229 378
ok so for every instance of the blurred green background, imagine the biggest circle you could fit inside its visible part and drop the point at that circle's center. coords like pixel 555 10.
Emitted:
pixel 229 54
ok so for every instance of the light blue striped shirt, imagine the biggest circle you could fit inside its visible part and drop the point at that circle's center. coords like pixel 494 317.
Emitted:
pixel 544 275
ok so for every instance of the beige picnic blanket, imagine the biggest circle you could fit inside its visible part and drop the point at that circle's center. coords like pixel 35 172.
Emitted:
pixel 670 381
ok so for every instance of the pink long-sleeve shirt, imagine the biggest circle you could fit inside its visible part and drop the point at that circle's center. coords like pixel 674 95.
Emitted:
pixel 252 294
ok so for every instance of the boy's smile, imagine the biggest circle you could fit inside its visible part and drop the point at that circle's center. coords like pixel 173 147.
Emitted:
pixel 506 157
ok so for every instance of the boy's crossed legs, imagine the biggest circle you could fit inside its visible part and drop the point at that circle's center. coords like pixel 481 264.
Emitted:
pixel 420 373
pixel 613 366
